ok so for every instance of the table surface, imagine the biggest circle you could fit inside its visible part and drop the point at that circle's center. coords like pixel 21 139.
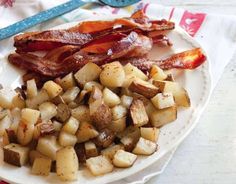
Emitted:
pixel 208 154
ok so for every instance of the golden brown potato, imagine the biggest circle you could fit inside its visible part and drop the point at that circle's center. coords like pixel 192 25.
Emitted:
pixel 67 164
pixel 81 113
pixel 43 128
pixel 144 88
pixel 68 81
pixel 90 149
pixel 18 102
pixel 41 166
pixel 161 117
pixel 57 125
pixel 150 133
pixel 105 138
pixel 29 115
pixel 57 100
pixel 71 126
pixel 124 159
pixel 138 113
pixel 87 73
pixel 100 114
pixel 112 75
pixel 144 147
pixel 63 112
pixel 99 165
pixel 67 139
pixel 85 132
pixel 126 101
pixel 157 73
pixel 133 70
pixel 110 151
pixel 118 125
pixel 25 132
pixel 163 100
pixel 9 136
pixel 52 88
pixel 15 154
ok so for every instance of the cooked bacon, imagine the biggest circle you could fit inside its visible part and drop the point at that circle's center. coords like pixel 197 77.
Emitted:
pixel 189 59
pixel 133 45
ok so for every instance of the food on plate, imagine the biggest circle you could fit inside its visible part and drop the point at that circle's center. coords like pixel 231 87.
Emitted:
pixel 93 97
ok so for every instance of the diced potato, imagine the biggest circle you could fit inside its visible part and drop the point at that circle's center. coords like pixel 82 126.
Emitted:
pixel 138 113
pixel 157 73
pixel 70 94
pixel 87 73
pixel 110 98
pixel 43 128
pixel 129 137
pixel 15 117
pixel 99 165
pixel 105 138
pixel 3 113
pixel 128 80
pixel 80 152
pixel 81 113
pixel 126 91
pixel 48 146
pixel 163 116
pixel 118 112
pixel 18 101
pixel 47 110
pixel 25 132
pixel 133 70
pixel 71 126
pixel 150 108
pixel 57 100
pixel 68 81
pixel 33 154
pixel 163 100
pixel 15 154
pixel 180 94
pixel 144 88
pixel 85 132
pixel 4 124
pixel 124 159
pixel 31 87
pixel 63 112
pixel 52 88
pixel 9 136
pixel 57 125
pixel 126 101
pixel 67 164
pixel 110 151
pixel 150 133
pixel 6 98
pixel 90 149
pixel 66 139
pixel 118 125
pixel 112 75
pixel 72 105
pixel 84 94
pixel 100 114
pixel 37 100
pixel 96 94
pixel 41 166
pixel 144 147
pixel 89 85
pixel 29 115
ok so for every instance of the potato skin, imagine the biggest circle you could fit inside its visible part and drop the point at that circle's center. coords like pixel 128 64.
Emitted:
pixel 105 138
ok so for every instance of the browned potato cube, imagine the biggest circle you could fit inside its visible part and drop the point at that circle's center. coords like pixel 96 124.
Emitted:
pixel 70 94
pixel 163 100
pixel 33 154
pixel 163 116
pixel 41 97
pixel 68 81
pixel 18 101
pixel 81 113
pixel 118 112
pixel 144 147
pixel 41 166
pixel 126 101
pixel 124 159
pixel 118 125
pixel 66 139
pixel 52 88
pixel 110 98
pixel 85 132
pixel 87 73
pixel 150 133
pixel 100 114
pixel 71 126
pixel 144 88
pixel 31 87
pixel 96 94
pixel 110 151
pixel 15 154
pixel 63 112
pixel 133 70
pixel 105 138
pixel 138 113
pixel 47 110
pixel 90 149
pixel 157 73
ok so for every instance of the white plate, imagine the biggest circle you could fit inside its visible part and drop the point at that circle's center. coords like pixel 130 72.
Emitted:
pixel 197 83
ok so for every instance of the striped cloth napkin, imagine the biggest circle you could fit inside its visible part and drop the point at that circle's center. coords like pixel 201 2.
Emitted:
pixel 216 34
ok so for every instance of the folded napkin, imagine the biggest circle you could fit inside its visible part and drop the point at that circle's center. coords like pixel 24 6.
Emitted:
pixel 216 34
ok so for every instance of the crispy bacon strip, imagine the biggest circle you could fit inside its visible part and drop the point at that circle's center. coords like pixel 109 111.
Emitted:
pixel 190 59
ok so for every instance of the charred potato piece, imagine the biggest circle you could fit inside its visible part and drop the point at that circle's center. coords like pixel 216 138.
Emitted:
pixel 112 75
pixel 105 138
pixel 81 113
pixel 85 132
pixel 110 151
pixel 161 117
pixel 41 166
pixel 63 112
pixel 144 147
pixel 150 133
pixel 87 73
pixel 9 136
pixel 90 149
pixel 100 114
pixel 99 165
pixel 15 154
pixel 124 159
pixel 80 152
pixel 67 164
pixel 138 113
pixel 144 88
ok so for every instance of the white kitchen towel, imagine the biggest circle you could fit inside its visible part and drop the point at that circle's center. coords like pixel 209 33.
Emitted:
pixel 216 34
